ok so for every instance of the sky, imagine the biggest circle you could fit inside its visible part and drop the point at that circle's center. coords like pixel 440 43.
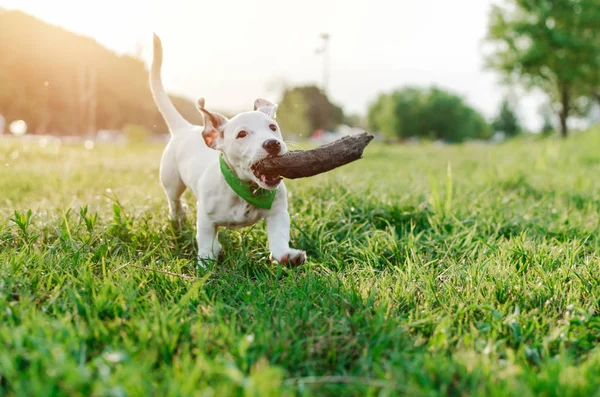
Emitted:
pixel 233 51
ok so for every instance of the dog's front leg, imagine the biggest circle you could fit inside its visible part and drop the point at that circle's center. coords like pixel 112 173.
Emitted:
pixel 278 229
pixel 206 236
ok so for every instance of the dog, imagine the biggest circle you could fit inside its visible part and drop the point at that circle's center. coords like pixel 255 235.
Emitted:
pixel 215 162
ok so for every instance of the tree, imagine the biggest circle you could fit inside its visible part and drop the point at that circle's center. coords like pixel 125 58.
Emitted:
pixel 547 127
pixel 446 116
pixel 507 121
pixel 292 113
pixel 381 117
pixel 355 120
pixel 550 44
pixel 431 113
pixel 545 112
pixel 308 104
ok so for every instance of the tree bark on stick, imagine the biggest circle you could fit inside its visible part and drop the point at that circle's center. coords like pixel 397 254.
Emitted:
pixel 306 163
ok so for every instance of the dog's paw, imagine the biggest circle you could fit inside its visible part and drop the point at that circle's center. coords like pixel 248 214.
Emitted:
pixel 177 213
pixel 177 223
pixel 206 260
pixel 202 263
pixel 292 258
pixel 184 207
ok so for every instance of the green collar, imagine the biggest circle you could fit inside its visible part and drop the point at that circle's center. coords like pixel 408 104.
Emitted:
pixel 249 191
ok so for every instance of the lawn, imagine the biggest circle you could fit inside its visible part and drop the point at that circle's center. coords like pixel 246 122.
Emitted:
pixel 455 270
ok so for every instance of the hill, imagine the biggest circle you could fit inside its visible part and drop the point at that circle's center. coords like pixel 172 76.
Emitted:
pixel 62 83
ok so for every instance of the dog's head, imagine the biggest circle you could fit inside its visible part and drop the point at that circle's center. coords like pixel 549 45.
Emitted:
pixel 246 139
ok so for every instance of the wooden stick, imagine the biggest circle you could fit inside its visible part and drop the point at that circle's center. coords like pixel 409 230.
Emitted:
pixel 305 163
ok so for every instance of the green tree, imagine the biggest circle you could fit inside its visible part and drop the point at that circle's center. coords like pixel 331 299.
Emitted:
pixel 545 112
pixel 292 113
pixel 507 121
pixel 355 120
pixel 549 44
pixel 380 117
pixel 446 116
pixel 388 116
pixel 307 107
pixel 431 113
pixel 547 127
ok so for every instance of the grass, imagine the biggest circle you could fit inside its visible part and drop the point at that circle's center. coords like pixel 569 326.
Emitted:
pixel 463 270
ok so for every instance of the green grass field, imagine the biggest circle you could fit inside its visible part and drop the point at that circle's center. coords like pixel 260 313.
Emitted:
pixel 462 270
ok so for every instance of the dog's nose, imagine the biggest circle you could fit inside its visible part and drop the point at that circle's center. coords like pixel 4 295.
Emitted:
pixel 272 146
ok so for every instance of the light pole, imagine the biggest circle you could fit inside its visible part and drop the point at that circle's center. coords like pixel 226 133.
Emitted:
pixel 324 51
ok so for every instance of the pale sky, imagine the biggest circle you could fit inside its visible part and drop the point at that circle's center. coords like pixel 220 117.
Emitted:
pixel 233 51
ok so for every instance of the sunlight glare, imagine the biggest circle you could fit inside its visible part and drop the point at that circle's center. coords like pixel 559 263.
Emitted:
pixel 18 128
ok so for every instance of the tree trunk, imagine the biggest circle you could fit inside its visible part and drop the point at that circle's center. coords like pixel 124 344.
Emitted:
pixel 597 97
pixel 565 101
pixel 564 131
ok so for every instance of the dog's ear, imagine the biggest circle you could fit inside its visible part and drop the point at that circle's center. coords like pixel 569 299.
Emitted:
pixel 268 108
pixel 214 124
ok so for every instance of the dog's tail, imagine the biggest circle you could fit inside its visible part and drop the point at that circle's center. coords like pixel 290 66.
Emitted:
pixel 172 117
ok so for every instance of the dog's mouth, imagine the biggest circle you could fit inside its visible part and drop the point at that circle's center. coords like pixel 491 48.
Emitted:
pixel 265 180
pixel 269 181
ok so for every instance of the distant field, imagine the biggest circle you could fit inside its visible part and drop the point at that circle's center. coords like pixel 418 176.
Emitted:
pixel 456 270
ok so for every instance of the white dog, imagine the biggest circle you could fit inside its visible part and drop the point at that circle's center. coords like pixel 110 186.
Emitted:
pixel 215 162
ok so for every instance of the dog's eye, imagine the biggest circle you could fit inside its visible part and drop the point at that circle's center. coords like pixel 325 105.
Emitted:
pixel 273 127
pixel 242 134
